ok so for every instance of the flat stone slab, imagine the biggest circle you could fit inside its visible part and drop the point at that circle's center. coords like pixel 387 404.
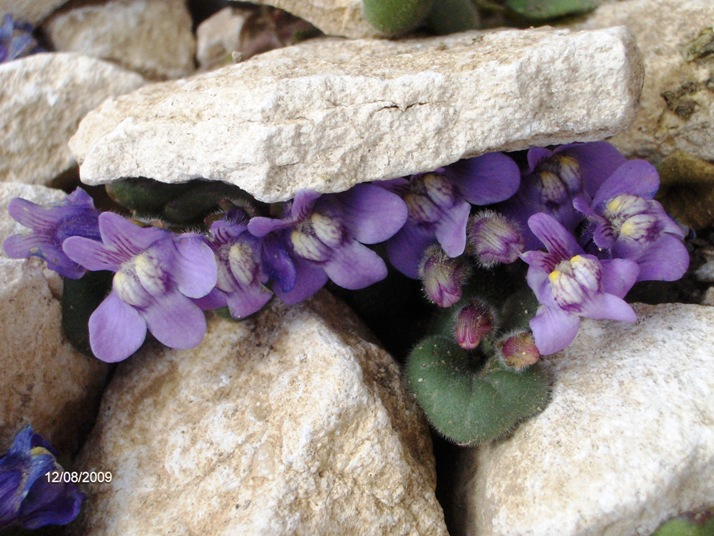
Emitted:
pixel 328 114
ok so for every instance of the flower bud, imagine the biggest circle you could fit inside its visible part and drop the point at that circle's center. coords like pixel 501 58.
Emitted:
pixel 518 350
pixel 442 276
pixel 473 323
pixel 494 239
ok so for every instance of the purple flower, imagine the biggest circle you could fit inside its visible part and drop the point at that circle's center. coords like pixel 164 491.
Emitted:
pixel 442 277
pixel 16 39
pixel 322 236
pixel 571 284
pixel 28 499
pixel 626 222
pixel 241 278
pixel 440 202
pixel 554 177
pixel 75 216
pixel 157 273
pixel 494 239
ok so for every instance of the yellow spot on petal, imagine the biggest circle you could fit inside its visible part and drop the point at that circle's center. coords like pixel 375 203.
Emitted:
pixel 554 276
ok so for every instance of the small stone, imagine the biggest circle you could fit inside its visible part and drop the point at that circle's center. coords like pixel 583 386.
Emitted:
pixel 708 299
pixel 218 36
pixel 152 37
pixel 44 381
pixel 335 17
pixel 42 99
pixel 328 114
pixel 677 107
pixel 626 442
pixel 705 272
pixel 291 422
pixel 33 12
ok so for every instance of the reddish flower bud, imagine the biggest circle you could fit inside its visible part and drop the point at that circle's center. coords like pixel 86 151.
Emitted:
pixel 473 323
pixel 494 239
pixel 518 350
pixel 442 276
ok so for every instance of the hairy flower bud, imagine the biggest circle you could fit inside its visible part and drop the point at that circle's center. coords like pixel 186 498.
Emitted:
pixel 518 350
pixel 494 239
pixel 473 323
pixel 442 276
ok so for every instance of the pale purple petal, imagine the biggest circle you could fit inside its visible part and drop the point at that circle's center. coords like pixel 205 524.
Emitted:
pixel 665 260
pixel 406 249
pixel 608 307
pixel 176 321
pixel 309 279
pixel 618 276
pixel 21 246
pixel 194 271
pixel 535 156
pixel 556 238
pixel 451 230
pixel 120 234
pixel 116 330
pixel 278 264
pixel 303 203
pixel 597 161
pixel 261 226
pixel 636 177
pixel 213 300
pixel 31 215
pixel 245 302
pixel 372 214
pixel 553 329
pixel 92 254
pixel 486 179
pixel 354 266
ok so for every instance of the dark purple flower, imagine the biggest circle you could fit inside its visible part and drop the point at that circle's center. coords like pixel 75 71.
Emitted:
pixel 75 216
pixel 494 239
pixel 440 202
pixel 571 284
pixel 241 278
pixel 322 236
pixel 626 222
pixel 28 498
pixel 442 277
pixel 554 177
pixel 16 39
pixel 157 274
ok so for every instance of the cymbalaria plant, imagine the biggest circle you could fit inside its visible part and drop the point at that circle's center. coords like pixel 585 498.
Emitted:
pixel 512 250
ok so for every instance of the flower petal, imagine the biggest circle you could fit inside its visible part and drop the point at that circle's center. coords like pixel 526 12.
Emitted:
pixel 636 177
pixel 354 266
pixel 92 255
pixel 666 260
pixel 406 249
pixel 554 236
pixel 176 321
pixel 32 215
pixel 608 307
pixel 309 279
pixel 245 302
pixel 278 264
pixel 486 179
pixel 618 276
pixel 451 229
pixel 120 234
pixel 116 330
pixel 195 271
pixel 535 156
pixel 597 162
pixel 553 329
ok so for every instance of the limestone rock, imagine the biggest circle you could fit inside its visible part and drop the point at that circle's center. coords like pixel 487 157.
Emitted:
pixel 152 37
pixel 677 105
pixel 218 36
pixel 291 422
pixel 42 99
pixel 32 12
pixel 328 114
pixel 44 381
pixel 332 17
pixel 626 443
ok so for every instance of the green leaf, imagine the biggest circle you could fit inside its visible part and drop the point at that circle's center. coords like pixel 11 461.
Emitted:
pixel 394 17
pixel 549 9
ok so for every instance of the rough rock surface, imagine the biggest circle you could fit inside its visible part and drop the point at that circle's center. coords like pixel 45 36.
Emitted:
pixel 627 441
pixel 677 106
pixel 33 11
pixel 152 37
pixel 287 423
pixel 44 381
pixel 332 17
pixel 42 99
pixel 328 114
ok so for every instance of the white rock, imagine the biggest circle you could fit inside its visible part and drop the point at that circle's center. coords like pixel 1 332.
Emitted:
pixel 287 423
pixel 664 30
pixel 44 381
pixel 627 441
pixel 33 11
pixel 152 37
pixel 218 36
pixel 42 99
pixel 332 17
pixel 328 114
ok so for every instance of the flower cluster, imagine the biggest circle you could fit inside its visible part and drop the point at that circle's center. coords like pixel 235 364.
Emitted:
pixel 16 39
pixel 29 499
pixel 590 208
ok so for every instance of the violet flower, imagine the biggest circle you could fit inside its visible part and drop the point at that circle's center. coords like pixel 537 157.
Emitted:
pixel 16 39
pixel 494 239
pixel 157 273
pixel 322 236
pixel 554 177
pixel 571 285
pixel 440 202
pixel 241 278
pixel 28 498
pixel 626 222
pixel 75 216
